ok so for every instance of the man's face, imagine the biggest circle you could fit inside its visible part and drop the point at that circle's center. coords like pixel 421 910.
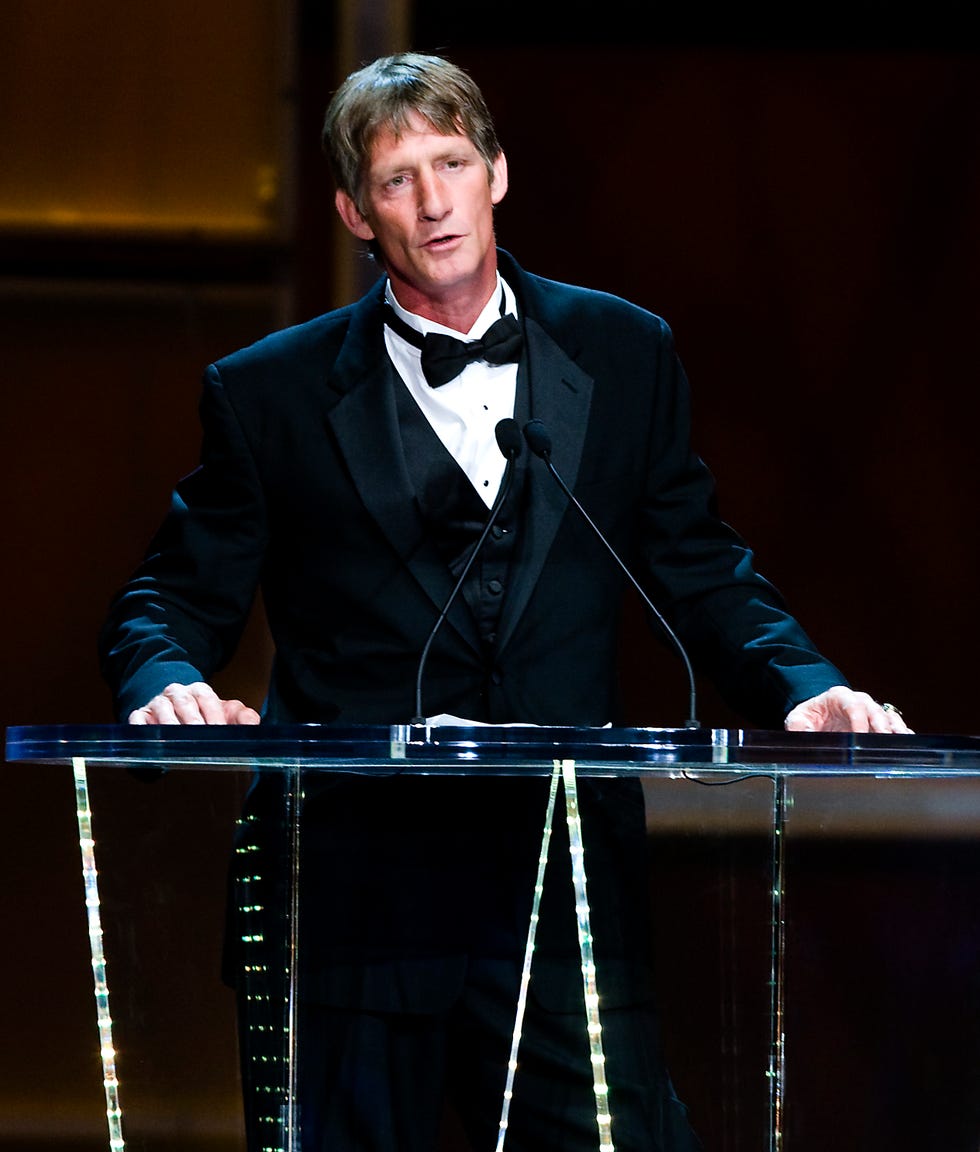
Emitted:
pixel 428 202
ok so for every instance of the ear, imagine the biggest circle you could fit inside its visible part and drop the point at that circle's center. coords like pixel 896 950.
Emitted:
pixel 352 217
pixel 498 183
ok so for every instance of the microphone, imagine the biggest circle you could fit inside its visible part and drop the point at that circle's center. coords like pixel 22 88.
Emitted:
pixel 508 434
pixel 539 441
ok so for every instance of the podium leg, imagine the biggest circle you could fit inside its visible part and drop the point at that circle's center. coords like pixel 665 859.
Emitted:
pixel 577 849
pixel 528 953
pixel 267 893
pixel 291 1130
pixel 564 773
pixel 90 878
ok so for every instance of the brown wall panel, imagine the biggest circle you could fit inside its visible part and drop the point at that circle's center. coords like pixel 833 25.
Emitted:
pixel 136 116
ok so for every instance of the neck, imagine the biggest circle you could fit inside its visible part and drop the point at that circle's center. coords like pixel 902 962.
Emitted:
pixel 457 308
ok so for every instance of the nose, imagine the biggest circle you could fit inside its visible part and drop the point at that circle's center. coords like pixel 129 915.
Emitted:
pixel 433 197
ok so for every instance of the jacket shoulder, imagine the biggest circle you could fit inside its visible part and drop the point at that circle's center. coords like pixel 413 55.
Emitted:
pixel 563 308
pixel 318 339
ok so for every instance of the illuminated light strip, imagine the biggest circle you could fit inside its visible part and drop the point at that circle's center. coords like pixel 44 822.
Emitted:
pixel 90 879
pixel 564 770
pixel 528 951
pixel 269 1091
pixel 577 849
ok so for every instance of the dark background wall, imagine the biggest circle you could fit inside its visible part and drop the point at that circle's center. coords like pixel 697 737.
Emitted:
pixel 800 201
pixel 806 221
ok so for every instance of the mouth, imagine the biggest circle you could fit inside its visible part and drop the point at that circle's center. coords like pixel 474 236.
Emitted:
pixel 438 242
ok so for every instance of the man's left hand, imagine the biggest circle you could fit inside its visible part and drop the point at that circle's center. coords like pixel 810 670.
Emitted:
pixel 843 710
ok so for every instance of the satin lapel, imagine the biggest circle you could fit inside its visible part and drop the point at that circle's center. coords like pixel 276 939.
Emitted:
pixel 561 397
pixel 364 422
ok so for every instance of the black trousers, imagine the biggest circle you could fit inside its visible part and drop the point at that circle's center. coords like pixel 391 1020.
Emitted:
pixel 382 1082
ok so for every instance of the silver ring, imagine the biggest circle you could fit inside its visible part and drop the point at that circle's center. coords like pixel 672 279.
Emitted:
pixel 890 708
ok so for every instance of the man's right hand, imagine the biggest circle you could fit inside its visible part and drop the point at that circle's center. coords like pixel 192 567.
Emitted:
pixel 193 704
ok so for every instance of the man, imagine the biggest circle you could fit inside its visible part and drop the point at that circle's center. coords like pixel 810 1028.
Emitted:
pixel 352 488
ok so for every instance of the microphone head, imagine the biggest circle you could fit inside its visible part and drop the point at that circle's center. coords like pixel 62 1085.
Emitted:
pixel 508 435
pixel 538 438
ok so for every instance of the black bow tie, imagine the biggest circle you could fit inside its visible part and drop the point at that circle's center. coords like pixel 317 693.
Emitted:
pixel 444 357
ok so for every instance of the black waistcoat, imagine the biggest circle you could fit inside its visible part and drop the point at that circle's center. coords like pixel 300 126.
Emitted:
pixel 455 514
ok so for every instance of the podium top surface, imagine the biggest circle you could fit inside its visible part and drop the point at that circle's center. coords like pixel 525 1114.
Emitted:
pixel 497 750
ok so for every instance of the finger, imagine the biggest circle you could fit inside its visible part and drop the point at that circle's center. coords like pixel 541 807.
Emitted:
pixel 158 711
pixel 896 721
pixel 881 721
pixel 864 713
pixel 195 703
pixel 185 705
pixel 842 710
pixel 887 719
pixel 800 720
pixel 202 701
pixel 854 717
pixel 235 712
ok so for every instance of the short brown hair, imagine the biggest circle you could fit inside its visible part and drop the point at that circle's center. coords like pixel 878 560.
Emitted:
pixel 384 94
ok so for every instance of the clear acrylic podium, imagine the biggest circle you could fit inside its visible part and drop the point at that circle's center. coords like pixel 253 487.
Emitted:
pixel 755 803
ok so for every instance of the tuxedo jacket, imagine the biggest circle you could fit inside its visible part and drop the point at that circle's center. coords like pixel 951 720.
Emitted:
pixel 303 491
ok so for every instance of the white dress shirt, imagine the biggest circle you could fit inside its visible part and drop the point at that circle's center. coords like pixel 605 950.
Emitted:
pixel 463 412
